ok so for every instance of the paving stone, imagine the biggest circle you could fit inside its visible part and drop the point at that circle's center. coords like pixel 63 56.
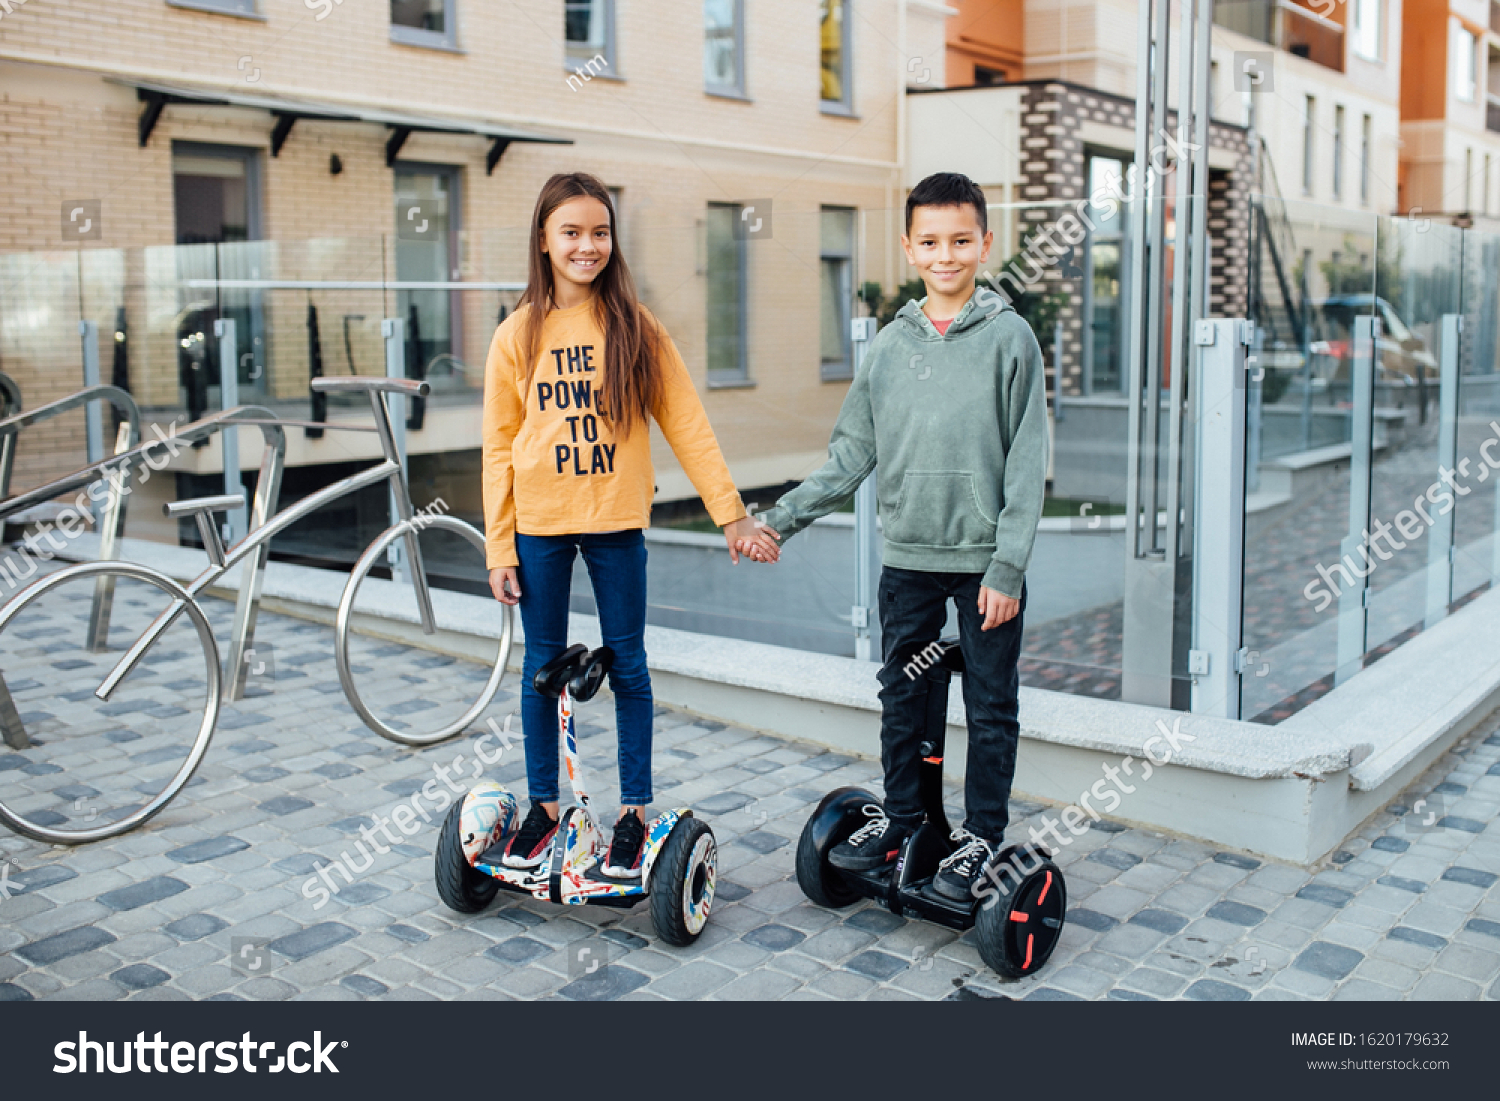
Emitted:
pixel 140 976
pixel 308 942
pixel 1472 877
pixel 211 849
pixel 1212 990
pixel 608 984
pixel 774 938
pixel 1236 912
pixel 1163 921
pixel 143 893
pixel 50 950
pixel 1329 961
pixel 1418 937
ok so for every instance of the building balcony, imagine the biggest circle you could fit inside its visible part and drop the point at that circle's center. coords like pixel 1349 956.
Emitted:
pixel 1288 26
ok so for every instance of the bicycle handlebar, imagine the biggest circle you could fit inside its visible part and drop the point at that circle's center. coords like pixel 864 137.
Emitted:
pixel 366 384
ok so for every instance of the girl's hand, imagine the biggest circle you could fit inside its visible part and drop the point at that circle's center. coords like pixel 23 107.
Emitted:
pixel 761 545
pixel 506 585
pixel 746 536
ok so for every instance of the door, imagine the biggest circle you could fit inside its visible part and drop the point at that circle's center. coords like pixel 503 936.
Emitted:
pixel 427 216
pixel 216 192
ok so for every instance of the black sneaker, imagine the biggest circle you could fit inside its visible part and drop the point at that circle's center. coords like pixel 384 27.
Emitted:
pixel 624 858
pixel 528 847
pixel 873 845
pixel 957 873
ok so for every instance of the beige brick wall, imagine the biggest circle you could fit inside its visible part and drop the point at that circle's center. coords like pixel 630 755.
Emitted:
pixel 68 133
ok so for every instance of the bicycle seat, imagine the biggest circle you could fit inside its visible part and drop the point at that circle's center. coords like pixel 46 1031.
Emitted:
pixel 578 667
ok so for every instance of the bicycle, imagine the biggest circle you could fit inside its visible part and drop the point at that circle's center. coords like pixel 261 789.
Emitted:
pixel 252 549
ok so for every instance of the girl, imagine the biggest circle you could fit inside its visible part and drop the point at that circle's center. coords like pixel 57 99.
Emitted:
pixel 572 377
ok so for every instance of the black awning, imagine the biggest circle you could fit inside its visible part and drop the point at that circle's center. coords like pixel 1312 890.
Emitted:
pixel 286 112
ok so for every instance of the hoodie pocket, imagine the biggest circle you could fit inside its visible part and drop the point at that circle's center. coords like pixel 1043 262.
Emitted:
pixel 939 508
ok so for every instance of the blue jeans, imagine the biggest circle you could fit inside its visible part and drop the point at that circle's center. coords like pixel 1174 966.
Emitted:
pixel 616 562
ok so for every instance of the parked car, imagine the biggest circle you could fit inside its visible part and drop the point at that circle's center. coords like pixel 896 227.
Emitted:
pixel 1402 357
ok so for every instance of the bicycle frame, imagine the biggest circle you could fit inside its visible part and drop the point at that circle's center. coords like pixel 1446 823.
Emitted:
pixel 264 527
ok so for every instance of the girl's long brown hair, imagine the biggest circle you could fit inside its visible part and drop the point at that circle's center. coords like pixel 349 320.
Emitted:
pixel 632 343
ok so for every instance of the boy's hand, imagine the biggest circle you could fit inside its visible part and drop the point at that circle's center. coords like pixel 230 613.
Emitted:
pixel 762 545
pixel 744 536
pixel 996 607
pixel 505 584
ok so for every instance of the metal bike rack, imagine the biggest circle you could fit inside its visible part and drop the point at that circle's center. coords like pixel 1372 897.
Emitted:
pixel 118 470
pixel 110 520
pixel 266 523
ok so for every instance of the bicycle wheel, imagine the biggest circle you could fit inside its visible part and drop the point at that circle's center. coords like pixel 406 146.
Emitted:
pixel 408 692
pixel 131 736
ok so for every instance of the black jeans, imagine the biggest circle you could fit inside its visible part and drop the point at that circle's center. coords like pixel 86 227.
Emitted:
pixel 913 609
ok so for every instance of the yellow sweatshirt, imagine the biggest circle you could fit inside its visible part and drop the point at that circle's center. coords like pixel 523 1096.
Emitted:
pixel 552 462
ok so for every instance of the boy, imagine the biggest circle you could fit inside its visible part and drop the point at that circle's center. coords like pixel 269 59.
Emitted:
pixel 949 401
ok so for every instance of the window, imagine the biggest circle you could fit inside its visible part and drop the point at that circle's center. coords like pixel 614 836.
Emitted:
pixel 727 279
pixel 589 26
pixel 1364 161
pixel 1468 178
pixel 836 292
pixel 1338 152
pixel 833 40
pixel 1484 196
pixel 1366 38
pixel 1307 146
pixel 723 46
pixel 1463 64
pixel 1103 285
pixel 984 76
pixel 228 7
pixel 424 22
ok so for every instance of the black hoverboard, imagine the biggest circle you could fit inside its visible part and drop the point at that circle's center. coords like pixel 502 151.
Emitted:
pixel 1020 902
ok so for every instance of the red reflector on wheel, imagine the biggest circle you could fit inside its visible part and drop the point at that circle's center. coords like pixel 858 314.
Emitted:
pixel 1016 915
pixel 1046 886
pixel 1026 963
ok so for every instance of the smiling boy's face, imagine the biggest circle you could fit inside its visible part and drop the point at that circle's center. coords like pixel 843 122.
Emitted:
pixel 946 247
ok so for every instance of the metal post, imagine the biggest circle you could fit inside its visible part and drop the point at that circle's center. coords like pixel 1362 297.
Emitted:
pixel 866 538
pixel 1440 542
pixel 1057 379
pixel 393 329
pixel 241 650
pixel 235 520
pixel 1354 601
pixel 93 416
pixel 1219 386
pixel 111 516
pixel 1160 453
pixel 1254 426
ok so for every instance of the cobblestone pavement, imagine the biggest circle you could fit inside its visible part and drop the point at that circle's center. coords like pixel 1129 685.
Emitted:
pixel 211 899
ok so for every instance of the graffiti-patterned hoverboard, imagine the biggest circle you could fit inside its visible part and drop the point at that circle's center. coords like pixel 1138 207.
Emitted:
pixel 1017 912
pixel 678 860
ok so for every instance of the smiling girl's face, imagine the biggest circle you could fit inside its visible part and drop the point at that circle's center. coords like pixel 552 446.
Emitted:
pixel 577 241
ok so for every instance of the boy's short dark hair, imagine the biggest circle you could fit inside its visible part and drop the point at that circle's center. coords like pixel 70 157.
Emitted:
pixel 947 189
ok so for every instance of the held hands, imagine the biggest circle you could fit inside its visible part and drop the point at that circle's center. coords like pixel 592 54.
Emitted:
pixel 506 585
pixel 996 607
pixel 750 537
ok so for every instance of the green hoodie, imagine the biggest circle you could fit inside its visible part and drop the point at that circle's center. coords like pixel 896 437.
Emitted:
pixel 958 426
